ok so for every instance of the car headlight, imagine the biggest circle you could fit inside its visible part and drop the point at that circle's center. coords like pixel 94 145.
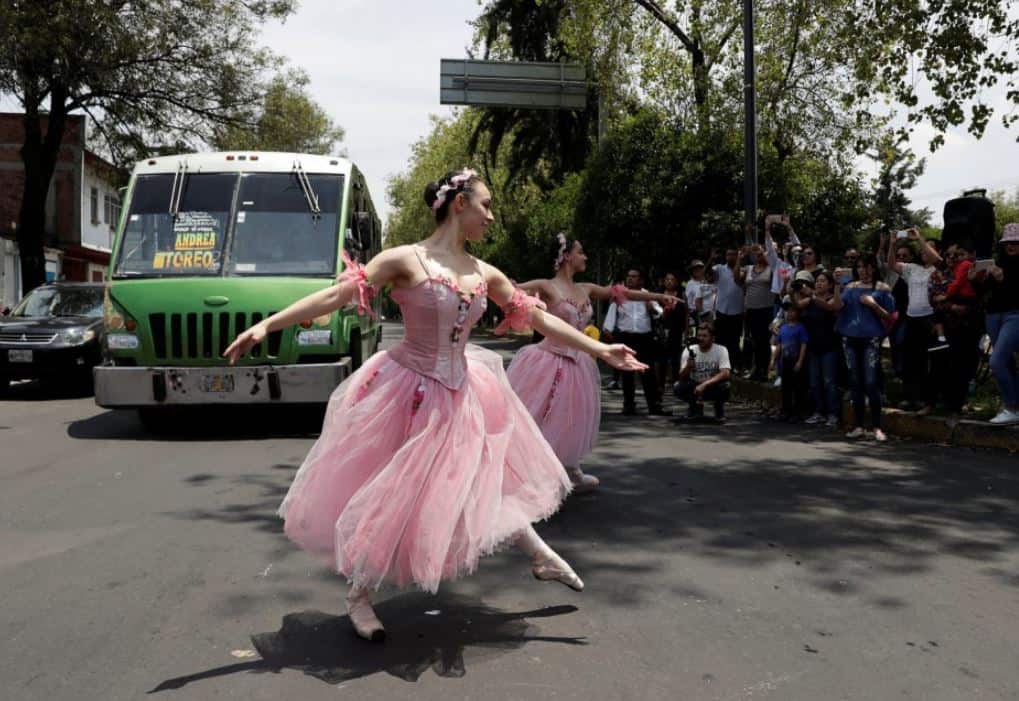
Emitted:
pixel 76 337
pixel 122 341
pixel 315 337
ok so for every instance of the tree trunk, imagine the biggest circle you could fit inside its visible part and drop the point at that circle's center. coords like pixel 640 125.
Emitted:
pixel 39 157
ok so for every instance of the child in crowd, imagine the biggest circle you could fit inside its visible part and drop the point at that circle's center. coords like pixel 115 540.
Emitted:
pixel 790 356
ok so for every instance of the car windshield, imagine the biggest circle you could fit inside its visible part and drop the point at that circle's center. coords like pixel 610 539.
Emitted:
pixel 155 242
pixel 276 232
pixel 68 301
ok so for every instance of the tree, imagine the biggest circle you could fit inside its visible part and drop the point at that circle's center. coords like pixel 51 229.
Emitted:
pixel 288 120
pixel 898 171
pixel 148 74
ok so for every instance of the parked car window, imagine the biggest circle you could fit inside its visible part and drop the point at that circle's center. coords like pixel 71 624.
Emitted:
pixel 52 301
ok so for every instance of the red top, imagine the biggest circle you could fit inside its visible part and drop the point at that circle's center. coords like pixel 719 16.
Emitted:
pixel 961 289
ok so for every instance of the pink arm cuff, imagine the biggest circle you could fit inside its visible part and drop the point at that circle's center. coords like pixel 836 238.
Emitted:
pixel 619 294
pixel 517 312
pixel 364 292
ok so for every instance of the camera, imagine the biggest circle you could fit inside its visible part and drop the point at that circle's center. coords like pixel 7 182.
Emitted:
pixel 902 234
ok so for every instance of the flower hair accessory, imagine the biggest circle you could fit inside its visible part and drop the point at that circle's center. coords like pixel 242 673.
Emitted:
pixel 454 184
pixel 561 237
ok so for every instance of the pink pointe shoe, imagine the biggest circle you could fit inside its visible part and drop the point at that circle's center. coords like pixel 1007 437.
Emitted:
pixel 582 482
pixel 362 616
pixel 555 569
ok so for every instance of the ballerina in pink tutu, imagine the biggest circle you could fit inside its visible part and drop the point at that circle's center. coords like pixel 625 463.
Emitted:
pixel 427 460
pixel 559 385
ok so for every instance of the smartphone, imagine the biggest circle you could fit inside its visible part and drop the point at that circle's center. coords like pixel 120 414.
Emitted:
pixel 983 264
pixel 902 234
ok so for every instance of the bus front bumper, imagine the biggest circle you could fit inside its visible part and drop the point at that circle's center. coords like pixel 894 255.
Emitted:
pixel 128 388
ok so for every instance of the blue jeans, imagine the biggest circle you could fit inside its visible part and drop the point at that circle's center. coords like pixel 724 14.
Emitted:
pixel 1003 328
pixel 822 368
pixel 863 358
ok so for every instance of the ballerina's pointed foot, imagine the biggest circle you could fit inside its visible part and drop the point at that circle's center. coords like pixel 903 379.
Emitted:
pixel 582 482
pixel 363 618
pixel 555 569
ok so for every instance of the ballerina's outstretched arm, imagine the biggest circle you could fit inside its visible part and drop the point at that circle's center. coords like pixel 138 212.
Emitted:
pixel 620 293
pixel 357 285
pixel 523 311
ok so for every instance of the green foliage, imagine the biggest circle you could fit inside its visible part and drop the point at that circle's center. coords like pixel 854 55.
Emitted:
pixel 448 147
pixel 898 171
pixel 1006 208
pixel 287 120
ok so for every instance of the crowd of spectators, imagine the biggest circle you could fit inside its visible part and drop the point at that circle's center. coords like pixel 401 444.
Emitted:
pixel 776 313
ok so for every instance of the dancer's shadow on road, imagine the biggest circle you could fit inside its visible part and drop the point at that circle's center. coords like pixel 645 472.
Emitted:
pixel 444 633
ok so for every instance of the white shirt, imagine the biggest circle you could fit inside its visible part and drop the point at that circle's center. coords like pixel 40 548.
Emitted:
pixel 730 294
pixel 708 363
pixel 918 279
pixel 631 317
pixel 780 269
pixel 700 290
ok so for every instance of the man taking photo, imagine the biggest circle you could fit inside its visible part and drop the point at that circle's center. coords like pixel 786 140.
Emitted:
pixel 705 375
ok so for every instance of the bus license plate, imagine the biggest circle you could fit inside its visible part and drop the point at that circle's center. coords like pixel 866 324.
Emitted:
pixel 19 356
pixel 217 383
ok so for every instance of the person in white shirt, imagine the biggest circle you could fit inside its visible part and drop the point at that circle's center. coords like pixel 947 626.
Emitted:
pixel 630 324
pixel 705 375
pixel 729 305
pixel 700 294
pixel 918 386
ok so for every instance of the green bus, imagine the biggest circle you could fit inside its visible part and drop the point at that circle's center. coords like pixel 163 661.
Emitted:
pixel 209 244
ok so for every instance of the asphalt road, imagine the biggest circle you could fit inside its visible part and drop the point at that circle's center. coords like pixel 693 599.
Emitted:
pixel 753 561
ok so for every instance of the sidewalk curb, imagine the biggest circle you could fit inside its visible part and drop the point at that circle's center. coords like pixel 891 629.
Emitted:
pixel 963 433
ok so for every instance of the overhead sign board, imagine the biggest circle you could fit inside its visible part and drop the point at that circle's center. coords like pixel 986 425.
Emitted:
pixel 519 84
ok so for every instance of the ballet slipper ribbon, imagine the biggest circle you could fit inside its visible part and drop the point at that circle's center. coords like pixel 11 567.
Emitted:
pixel 364 291
pixel 517 312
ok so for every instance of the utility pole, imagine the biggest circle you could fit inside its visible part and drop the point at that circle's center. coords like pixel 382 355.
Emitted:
pixel 750 127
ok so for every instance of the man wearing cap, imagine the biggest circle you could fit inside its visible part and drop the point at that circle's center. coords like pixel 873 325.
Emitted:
pixel 729 305
pixel 630 323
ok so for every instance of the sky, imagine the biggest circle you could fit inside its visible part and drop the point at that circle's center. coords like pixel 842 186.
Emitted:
pixel 374 67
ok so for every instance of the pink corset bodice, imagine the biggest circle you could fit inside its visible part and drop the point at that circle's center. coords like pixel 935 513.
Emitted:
pixel 437 319
pixel 574 315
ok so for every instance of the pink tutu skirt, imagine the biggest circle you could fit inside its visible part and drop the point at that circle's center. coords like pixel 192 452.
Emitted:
pixel 563 394
pixel 412 482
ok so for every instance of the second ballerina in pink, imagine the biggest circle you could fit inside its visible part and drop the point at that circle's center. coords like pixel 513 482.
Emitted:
pixel 560 386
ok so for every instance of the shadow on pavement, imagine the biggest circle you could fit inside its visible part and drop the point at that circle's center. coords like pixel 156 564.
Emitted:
pixel 202 424
pixel 446 633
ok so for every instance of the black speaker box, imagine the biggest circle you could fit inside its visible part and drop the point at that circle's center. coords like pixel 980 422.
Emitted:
pixel 970 218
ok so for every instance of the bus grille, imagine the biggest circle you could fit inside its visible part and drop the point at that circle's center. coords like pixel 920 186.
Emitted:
pixel 204 336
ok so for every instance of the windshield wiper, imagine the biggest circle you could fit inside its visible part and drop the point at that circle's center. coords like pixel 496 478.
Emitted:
pixel 309 194
pixel 177 191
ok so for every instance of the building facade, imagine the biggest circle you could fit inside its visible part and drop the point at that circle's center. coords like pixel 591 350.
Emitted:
pixel 82 208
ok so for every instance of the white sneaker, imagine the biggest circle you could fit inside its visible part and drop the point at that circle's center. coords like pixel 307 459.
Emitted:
pixel 833 421
pixel 1006 417
pixel 856 433
pixel 814 420
pixel 879 435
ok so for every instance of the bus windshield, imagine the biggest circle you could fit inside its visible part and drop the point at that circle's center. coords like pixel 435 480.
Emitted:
pixel 276 232
pixel 270 228
pixel 154 242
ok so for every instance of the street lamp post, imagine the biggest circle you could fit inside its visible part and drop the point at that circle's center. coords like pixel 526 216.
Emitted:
pixel 750 127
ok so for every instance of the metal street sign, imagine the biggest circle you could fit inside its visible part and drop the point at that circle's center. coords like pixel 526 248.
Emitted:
pixel 521 84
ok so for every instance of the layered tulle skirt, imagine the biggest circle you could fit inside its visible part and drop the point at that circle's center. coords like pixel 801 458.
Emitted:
pixel 412 482
pixel 563 395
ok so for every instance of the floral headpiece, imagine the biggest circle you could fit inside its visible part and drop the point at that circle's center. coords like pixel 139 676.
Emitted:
pixel 454 184
pixel 561 237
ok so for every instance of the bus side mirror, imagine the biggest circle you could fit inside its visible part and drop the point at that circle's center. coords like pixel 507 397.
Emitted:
pixel 362 232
